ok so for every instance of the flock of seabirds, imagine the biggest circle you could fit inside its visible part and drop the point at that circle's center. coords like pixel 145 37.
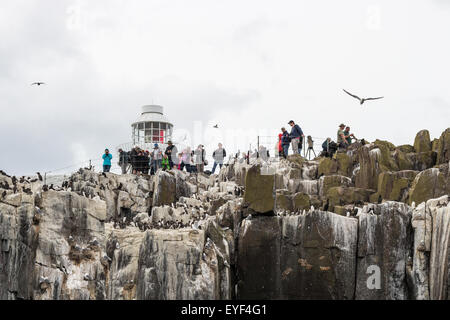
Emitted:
pixel 199 212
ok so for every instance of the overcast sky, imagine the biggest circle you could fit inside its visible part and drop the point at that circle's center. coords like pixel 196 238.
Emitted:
pixel 248 65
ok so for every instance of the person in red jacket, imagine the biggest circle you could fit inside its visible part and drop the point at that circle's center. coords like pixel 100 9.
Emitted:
pixel 280 145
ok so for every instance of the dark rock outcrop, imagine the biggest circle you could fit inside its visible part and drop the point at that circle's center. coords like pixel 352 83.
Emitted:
pixel 384 249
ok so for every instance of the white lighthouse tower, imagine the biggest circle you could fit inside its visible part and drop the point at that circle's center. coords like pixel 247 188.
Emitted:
pixel 151 127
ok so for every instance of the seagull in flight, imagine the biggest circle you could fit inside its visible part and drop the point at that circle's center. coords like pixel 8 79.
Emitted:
pixel 37 83
pixel 361 100
pixel 216 126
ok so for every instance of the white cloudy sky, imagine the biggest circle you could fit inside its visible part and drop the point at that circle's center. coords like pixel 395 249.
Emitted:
pixel 248 65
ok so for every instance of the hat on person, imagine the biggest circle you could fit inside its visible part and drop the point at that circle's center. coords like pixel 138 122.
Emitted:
pixel 156 145
pixel 169 142
pixel 341 125
pixel 292 121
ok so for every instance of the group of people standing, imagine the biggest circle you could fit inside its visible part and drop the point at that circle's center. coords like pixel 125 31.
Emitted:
pixel 145 162
pixel 344 140
pixel 140 161
pixel 293 139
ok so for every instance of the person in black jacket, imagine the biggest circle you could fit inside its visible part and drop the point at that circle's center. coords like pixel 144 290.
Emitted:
pixel 328 148
pixel 285 142
pixel 145 162
pixel 133 159
pixel 124 160
pixel 171 152
pixel 138 162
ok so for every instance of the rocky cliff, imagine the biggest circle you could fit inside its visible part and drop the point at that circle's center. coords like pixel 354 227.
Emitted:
pixel 370 223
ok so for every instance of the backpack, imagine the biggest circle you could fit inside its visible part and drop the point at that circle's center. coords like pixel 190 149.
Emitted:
pixel 332 146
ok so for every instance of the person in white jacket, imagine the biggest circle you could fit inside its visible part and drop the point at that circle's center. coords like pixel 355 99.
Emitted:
pixel 156 158
pixel 199 159
pixel 186 160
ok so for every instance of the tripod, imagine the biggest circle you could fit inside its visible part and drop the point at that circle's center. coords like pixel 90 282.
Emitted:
pixel 308 153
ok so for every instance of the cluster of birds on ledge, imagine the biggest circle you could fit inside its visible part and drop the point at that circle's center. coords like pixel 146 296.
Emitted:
pixel 22 180
pixel 361 100
pixel 198 214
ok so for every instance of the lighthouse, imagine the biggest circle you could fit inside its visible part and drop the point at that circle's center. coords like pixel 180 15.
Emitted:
pixel 151 127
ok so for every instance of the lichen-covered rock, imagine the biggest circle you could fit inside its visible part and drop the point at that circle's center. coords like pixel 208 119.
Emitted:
pixel 164 189
pixel 340 164
pixel 403 159
pixel 367 175
pixel 405 148
pixel 422 142
pixel 430 184
pixel 443 147
pixel 338 196
pixel 344 164
pixel 327 166
pixel 422 160
pixel 385 160
pixel 296 159
pixel 394 186
pixel 301 201
pixel 435 145
pixel 259 192
pixel 328 182
pixel 283 201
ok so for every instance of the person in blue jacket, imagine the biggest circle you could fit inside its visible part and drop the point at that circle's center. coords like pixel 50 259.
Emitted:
pixel 107 157
pixel 296 137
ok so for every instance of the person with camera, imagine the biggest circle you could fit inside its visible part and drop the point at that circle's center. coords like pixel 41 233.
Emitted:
pixel 107 161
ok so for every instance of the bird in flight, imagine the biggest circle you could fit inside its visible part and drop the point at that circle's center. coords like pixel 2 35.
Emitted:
pixel 37 83
pixel 216 126
pixel 361 100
